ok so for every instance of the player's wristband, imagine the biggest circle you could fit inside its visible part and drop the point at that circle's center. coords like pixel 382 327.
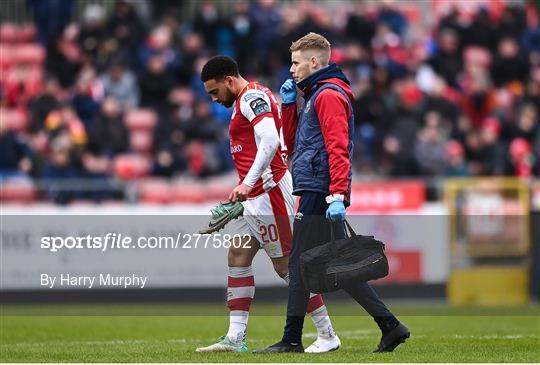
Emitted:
pixel 335 198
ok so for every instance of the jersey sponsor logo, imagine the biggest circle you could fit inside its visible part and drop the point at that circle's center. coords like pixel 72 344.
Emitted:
pixel 236 148
pixel 259 106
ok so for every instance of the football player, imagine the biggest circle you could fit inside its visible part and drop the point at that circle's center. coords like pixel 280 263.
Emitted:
pixel 265 190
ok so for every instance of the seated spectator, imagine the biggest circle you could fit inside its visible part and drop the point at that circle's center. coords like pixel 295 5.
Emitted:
pixel 65 119
pixel 93 30
pixel 478 100
pixel 194 143
pixel 192 47
pixel 481 32
pixel 359 27
pixel 526 125
pixel 436 100
pixel 156 83
pixel 398 146
pixel 61 166
pixel 120 83
pixel 64 57
pixel 512 22
pixel 170 137
pixel 509 65
pixel 390 15
pixel 15 154
pixel 473 150
pixel 43 104
pixel 447 60
pixel 532 92
pixel 493 149
pixel 522 162
pixel 160 44
pixel 430 149
pixel 88 95
pixel 201 126
pixel 108 136
pixel 126 27
pixel 456 164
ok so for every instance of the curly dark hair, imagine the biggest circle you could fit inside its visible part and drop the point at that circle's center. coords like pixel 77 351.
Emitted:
pixel 218 68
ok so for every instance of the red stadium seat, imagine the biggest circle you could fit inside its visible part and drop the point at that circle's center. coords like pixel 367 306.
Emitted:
pixel 140 119
pixel 13 33
pixel 188 192
pixel 155 191
pixel 29 53
pixel 27 33
pixel 141 141
pixel 6 56
pixel 219 190
pixel 14 119
pixel 17 191
pixel 8 32
pixel 131 166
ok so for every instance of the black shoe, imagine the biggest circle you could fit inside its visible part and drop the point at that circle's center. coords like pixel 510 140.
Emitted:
pixel 279 348
pixel 392 339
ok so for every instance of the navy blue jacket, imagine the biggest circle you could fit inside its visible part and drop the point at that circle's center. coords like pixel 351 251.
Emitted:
pixel 323 128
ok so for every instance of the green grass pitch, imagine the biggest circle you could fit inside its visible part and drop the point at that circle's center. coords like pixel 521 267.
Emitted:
pixel 170 333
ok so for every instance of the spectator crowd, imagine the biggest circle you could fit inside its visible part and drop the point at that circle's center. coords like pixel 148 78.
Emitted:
pixel 455 95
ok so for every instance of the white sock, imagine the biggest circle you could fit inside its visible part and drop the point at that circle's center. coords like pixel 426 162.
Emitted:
pixel 320 317
pixel 237 325
pixel 322 322
pixel 240 292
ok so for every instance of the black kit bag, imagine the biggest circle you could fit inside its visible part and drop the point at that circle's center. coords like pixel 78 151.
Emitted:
pixel 340 263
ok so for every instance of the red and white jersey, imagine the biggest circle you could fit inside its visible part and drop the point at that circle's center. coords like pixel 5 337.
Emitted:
pixel 254 103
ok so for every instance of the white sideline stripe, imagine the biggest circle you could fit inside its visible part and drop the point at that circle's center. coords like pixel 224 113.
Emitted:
pixel 362 334
pixel 116 342
pixel 347 335
pixel 97 343
pixel 494 337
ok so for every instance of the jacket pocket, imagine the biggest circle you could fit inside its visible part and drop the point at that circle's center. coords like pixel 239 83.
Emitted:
pixel 302 164
pixel 315 163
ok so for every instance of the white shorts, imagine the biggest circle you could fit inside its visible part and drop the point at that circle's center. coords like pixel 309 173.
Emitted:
pixel 268 218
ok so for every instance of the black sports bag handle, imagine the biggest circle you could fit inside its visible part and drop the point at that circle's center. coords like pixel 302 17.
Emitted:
pixel 351 233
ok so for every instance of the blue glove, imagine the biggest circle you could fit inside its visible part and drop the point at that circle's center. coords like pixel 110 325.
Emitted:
pixel 288 91
pixel 336 211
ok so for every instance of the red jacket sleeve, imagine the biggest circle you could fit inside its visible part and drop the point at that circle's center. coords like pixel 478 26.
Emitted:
pixel 334 112
pixel 290 121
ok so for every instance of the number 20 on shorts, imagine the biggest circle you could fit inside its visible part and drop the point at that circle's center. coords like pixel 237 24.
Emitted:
pixel 269 233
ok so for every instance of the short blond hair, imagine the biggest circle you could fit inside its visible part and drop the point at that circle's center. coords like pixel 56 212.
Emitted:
pixel 313 41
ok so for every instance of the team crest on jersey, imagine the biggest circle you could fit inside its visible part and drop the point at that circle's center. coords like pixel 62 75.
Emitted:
pixel 307 106
pixel 259 106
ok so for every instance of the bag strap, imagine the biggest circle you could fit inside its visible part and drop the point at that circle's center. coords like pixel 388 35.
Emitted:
pixel 350 233
pixel 333 248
